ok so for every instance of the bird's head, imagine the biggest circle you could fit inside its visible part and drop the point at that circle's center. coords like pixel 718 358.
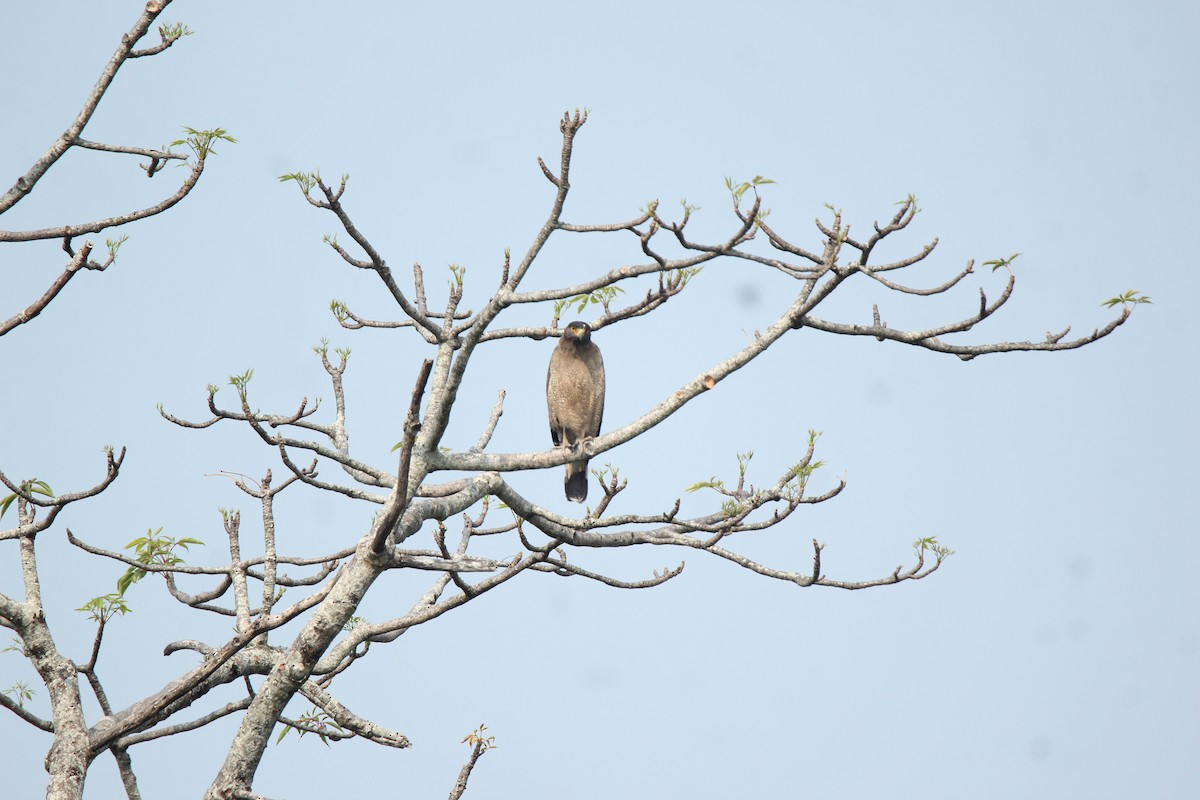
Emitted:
pixel 578 332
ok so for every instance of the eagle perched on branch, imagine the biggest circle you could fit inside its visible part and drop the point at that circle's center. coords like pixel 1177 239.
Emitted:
pixel 575 399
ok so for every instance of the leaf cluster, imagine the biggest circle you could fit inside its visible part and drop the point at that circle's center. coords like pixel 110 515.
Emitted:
pixel 20 692
pixel 997 263
pixel 201 142
pixel 682 276
pixel 476 738
pixel 241 382
pixel 739 189
pixel 602 297
pixel 1132 296
pixel 114 245
pixel 171 32
pixel 317 721
pixel 931 544
pixel 151 549
pixel 105 607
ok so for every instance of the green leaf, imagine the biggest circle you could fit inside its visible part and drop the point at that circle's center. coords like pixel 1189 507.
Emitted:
pixel 153 548
pixel 739 189
pixel 105 607
pixel 241 382
pixel 20 691
pixel 201 142
pixel 1132 296
pixel 131 576
pixel 997 263
pixel 931 544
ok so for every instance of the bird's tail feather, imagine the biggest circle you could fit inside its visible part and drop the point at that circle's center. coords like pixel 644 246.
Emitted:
pixel 576 481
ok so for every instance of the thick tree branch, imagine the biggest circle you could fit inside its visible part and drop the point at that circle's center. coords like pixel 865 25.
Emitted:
pixel 186 689
pixel 350 721
pixel 412 425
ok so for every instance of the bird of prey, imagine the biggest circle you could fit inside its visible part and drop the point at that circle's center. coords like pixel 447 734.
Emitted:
pixel 575 399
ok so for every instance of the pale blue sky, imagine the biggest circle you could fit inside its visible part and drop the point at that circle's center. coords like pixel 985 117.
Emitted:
pixel 1055 655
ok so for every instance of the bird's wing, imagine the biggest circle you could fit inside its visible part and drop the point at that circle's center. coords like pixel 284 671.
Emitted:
pixel 596 367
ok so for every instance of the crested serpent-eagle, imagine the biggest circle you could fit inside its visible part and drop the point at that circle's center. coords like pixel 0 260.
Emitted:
pixel 575 399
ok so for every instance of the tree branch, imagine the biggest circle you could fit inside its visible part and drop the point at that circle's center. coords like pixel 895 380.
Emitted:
pixel 70 136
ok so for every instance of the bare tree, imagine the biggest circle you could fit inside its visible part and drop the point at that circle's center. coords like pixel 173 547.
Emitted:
pixel 417 496
pixel 199 142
